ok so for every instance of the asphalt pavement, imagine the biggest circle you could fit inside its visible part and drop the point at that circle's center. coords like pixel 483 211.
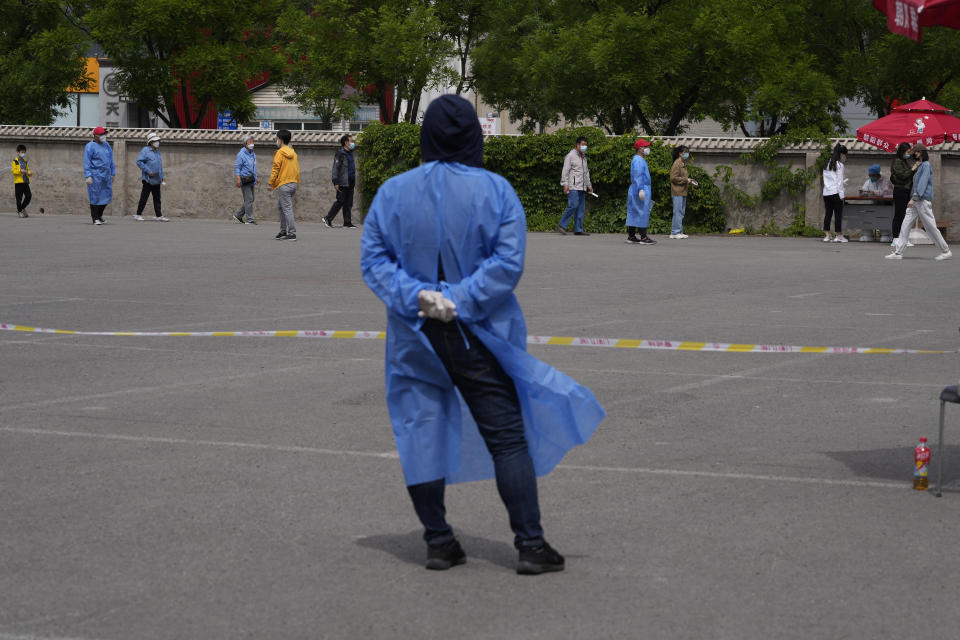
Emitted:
pixel 228 487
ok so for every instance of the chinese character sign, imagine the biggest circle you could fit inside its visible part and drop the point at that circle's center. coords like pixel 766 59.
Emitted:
pixel 490 126
pixel 903 17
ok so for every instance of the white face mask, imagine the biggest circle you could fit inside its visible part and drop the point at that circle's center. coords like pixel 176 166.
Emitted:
pixel 23 154
pixel 583 148
pixel 155 145
pixel 103 138
pixel 279 143
pixel 646 151
pixel 250 146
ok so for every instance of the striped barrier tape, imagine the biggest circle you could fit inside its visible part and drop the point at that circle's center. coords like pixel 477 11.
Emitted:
pixel 621 343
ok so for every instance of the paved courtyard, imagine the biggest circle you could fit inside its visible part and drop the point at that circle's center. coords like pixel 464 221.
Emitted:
pixel 228 487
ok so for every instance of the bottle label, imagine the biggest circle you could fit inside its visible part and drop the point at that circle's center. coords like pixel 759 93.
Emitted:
pixel 922 459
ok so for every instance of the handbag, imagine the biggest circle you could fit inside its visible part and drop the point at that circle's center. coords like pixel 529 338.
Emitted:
pixel 248 179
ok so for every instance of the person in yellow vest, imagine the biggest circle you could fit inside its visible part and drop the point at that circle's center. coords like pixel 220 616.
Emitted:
pixel 21 180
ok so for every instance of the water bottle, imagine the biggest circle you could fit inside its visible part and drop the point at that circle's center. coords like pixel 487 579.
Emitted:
pixel 921 459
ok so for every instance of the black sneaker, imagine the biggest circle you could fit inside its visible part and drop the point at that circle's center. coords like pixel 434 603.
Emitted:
pixel 327 222
pixel 633 240
pixel 291 236
pixel 441 557
pixel 647 240
pixel 239 218
pixel 581 233
pixel 350 226
pixel 537 560
pixel 250 222
pixel 281 236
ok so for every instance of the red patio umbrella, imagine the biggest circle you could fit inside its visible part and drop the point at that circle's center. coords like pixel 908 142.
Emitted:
pixel 920 121
pixel 907 17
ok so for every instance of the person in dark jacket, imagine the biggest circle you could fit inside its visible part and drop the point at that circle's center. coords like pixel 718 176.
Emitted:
pixel 901 175
pixel 344 176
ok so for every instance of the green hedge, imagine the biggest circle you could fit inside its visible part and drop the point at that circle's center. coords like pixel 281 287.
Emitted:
pixel 532 164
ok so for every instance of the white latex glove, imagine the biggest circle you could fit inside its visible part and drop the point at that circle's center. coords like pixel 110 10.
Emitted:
pixel 163 183
pixel 642 195
pixel 434 305
pixel 89 180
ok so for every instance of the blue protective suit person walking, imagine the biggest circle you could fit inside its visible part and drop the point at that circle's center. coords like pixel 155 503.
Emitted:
pixel 443 248
pixel 640 196
pixel 98 171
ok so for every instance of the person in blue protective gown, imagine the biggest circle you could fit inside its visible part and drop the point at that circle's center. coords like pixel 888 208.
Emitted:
pixel 443 247
pixel 98 171
pixel 640 196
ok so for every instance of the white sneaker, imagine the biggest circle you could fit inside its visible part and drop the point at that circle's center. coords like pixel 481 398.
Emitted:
pixel 840 238
pixel 97 222
pixel 826 238
pixel 909 244
pixel 946 255
pixel 679 236
pixel 673 236
pixel 138 218
pixel 163 219
pixel 893 244
pixel 895 256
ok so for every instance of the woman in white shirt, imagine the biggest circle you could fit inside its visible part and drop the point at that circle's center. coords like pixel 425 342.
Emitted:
pixel 833 193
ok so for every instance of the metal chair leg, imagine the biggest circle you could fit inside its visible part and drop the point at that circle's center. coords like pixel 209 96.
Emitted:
pixel 939 493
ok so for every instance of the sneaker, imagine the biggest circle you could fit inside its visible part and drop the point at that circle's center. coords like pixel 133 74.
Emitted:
pixel 102 221
pixel 251 222
pixel 291 236
pixel 98 221
pixel 163 219
pixel 580 233
pixel 138 218
pixel 647 240
pixel 561 230
pixel 840 238
pixel 679 236
pixel 893 244
pixel 536 560
pixel 893 256
pixel 25 214
pixel 826 238
pixel 946 255
pixel 20 214
pixel 281 235
pixel 327 223
pixel 633 240
pixel 909 244
pixel 239 218
pixel 441 557
pixel 350 226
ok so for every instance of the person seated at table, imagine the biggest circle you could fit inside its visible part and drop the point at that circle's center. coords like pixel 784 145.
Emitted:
pixel 876 184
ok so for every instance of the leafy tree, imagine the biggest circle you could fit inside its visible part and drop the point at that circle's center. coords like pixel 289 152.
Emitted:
pixel 464 24
pixel 392 49
pixel 203 52
pixel 41 57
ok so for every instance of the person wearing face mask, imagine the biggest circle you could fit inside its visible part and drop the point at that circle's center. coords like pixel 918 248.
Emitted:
pixel 680 182
pixel 344 175
pixel 98 171
pixel 877 184
pixel 901 175
pixel 151 175
pixel 640 196
pixel 920 206
pixel 285 178
pixel 833 190
pixel 575 180
pixel 245 171
pixel 21 181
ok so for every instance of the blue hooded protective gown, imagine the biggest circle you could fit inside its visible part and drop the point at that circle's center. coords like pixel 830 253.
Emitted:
pixel 638 211
pixel 98 164
pixel 472 220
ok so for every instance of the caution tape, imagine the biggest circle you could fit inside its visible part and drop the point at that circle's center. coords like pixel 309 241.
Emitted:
pixel 619 343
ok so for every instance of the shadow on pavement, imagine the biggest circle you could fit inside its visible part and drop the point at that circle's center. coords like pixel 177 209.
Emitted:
pixel 897 463
pixel 409 547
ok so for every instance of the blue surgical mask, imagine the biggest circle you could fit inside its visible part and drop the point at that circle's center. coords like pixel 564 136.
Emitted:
pixel 352 146
pixel 685 155
pixel 583 148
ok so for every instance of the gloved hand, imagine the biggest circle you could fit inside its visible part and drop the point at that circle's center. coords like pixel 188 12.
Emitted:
pixel 434 305
pixel 89 180
pixel 642 195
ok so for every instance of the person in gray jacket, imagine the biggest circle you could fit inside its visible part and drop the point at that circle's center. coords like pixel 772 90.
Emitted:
pixel 245 171
pixel 575 180
pixel 344 176
pixel 920 205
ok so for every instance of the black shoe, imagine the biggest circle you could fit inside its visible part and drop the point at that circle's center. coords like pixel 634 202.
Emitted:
pixel 292 236
pixel 441 557
pixel 647 240
pixel 349 225
pixel 561 230
pixel 581 233
pixel 239 218
pixel 537 560
pixel 250 222
pixel 633 240
pixel 327 222
pixel 281 236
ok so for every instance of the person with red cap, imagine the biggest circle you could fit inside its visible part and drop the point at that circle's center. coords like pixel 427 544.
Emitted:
pixel 639 197
pixel 99 170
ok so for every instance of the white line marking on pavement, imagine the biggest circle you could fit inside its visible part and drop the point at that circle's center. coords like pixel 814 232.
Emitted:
pixel 134 390
pixel 10 636
pixel 807 295
pixel 878 314
pixel 393 455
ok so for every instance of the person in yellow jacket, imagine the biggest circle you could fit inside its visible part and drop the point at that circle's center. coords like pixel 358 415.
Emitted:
pixel 21 180
pixel 285 178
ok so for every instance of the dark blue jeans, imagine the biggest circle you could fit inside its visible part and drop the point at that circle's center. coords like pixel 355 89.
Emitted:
pixel 491 396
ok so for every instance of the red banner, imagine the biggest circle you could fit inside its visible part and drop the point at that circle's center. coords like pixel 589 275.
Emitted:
pixel 903 17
